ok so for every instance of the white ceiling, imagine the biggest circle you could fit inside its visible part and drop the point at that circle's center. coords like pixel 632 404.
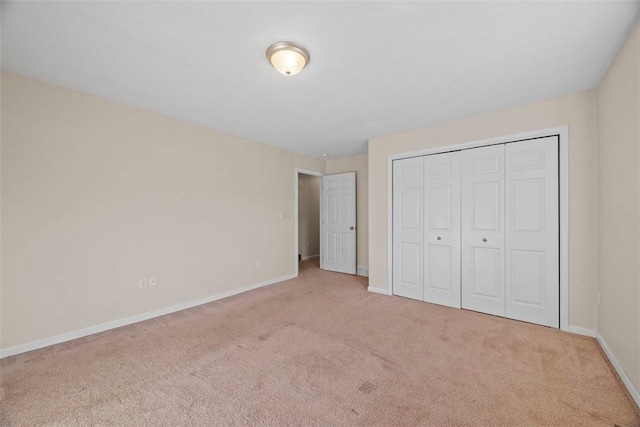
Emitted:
pixel 376 67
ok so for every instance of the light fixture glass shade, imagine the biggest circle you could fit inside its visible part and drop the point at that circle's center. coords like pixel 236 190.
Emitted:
pixel 288 58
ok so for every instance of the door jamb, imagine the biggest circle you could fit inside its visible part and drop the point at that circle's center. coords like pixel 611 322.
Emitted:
pixel 295 190
pixel 563 141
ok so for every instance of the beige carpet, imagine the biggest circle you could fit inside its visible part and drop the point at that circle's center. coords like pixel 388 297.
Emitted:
pixel 318 351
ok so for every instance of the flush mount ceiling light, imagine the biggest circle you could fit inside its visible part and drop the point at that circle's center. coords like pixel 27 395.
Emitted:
pixel 288 58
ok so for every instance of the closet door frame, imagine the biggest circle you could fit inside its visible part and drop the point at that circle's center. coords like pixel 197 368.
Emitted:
pixel 562 132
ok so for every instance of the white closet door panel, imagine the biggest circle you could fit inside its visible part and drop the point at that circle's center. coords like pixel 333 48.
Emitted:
pixel 442 229
pixel 408 217
pixel 483 230
pixel 532 240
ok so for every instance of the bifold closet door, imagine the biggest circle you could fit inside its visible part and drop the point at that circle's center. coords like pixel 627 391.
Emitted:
pixel 532 239
pixel 408 232
pixel 442 229
pixel 479 229
pixel 483 230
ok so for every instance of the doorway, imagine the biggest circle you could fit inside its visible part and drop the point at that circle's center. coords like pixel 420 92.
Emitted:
pixel 307 216
pixel 332 200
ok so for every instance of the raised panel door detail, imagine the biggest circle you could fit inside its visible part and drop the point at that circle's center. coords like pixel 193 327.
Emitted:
pixel 339 222
pixel 527 277
pixel 485 265
pixel 441 267
pixel 332 246
pixel 532 240
pixel 527 205
pixel 345 209
pixel 345 247
pixel 440 213
pixel 410 264
pixel 442 229
pixel 411 209
pixel 528 159
pixel 332 209
pixel 486 206
pixel 439 169
pixel 483 230
pixel 486 164
pixel 410 172
pixel 408 218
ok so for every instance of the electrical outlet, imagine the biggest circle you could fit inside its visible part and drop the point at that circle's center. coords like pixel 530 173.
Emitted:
pixel 257 263
pixel 142 283
pixel 152 281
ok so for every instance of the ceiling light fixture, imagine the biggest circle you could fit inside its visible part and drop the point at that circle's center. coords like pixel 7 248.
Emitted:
pixel 288 58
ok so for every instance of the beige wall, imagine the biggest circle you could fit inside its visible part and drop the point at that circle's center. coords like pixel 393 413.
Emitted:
pixel 359 165
pixel 96 195
pixel 619 207
pixel 579 111
pixel 308 215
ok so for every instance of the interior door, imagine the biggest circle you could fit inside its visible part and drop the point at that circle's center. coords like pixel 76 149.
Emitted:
pixel 407 227
pixel 442 229
pixel 339 222
pixel 483 225
pixel 532 242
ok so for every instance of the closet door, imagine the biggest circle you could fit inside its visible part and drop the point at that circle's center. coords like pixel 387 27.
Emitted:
pixel 483 237
pixel 442 229
pixel 408 231
pixel 532 242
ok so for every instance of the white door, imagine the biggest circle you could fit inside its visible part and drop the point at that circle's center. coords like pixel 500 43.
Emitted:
pixel 442 229
pixel 407 227
pixel 532 242
pixel 339 222
pixel 483 237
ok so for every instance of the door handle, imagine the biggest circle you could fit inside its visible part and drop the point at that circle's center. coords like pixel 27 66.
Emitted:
pixel 352 228
pixel 439 238
pixel 484 240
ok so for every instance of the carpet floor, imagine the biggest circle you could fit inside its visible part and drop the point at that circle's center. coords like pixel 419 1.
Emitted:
pixel 318 350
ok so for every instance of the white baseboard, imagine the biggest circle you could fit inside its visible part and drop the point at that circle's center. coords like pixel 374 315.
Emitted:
pixel 68 336
pixel 581 331
pixel 304 258
pixel 363 271
pixel 379 290
pixel 633 391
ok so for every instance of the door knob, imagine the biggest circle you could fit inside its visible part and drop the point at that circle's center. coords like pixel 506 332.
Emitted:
pixel 439 238
pixel 484 240
pixel 352 228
